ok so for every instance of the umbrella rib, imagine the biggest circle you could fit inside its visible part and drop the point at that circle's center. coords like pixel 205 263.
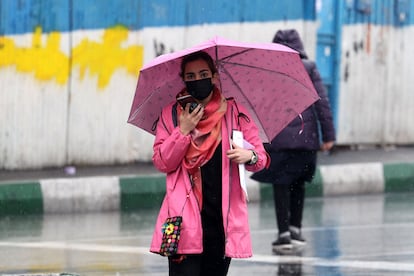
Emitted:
pixel 216 50
pixel 263 69
pixel 241 91
pixel 250 66
pixel 232 55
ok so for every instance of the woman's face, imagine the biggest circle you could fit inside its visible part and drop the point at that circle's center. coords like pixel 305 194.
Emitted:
pixel 197 70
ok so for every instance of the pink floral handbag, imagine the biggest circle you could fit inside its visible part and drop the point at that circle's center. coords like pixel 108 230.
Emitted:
pixel 171 236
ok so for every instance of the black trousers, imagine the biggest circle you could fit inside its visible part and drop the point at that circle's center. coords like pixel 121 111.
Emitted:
pixel 211 262
pixel 199 265
pixel 288 172
pixel 289 201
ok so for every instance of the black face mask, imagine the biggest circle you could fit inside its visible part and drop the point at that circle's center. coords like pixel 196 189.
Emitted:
pixel 199 89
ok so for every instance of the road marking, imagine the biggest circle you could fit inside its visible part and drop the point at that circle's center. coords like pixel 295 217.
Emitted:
pixel 372 265
pixel 342 227
pixel 79 247
pixel 271 259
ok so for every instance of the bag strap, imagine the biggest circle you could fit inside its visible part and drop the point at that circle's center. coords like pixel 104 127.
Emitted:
pixel 239 114
pixel 174 114
pixel 185 202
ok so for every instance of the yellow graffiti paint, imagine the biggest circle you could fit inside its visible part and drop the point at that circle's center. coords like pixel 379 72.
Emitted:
pixel 104 58
pixel 47 62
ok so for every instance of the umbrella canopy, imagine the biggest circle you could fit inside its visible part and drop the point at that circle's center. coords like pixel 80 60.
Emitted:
pixel 269 79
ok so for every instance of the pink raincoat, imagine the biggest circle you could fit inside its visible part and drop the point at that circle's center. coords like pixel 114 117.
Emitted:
pixel 170 147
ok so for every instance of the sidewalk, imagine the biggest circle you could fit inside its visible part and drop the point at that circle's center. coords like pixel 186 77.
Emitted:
pixel 140 185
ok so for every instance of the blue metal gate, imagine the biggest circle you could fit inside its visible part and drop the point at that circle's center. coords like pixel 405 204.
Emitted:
pixel 328 48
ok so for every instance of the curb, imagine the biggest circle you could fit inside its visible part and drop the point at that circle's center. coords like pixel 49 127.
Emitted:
pixel 97 194
pixel 129 193
pixel 41 274
pixel 49 274
pixel 358 178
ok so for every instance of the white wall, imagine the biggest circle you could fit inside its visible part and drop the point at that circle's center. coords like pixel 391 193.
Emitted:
pixel 50 124
pixel 376 103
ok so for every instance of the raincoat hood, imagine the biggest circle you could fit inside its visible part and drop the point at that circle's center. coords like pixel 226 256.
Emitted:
pixel 291 39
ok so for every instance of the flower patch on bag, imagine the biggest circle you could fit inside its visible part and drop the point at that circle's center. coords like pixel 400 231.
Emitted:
pixel 171 235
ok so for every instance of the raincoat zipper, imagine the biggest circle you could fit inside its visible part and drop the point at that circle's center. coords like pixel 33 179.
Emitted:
pixel 229 130
pixel 228 211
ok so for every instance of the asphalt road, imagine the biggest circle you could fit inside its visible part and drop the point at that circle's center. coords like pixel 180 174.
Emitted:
pixel 360 235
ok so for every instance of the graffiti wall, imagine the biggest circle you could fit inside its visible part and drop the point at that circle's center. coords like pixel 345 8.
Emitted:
pixel 68 69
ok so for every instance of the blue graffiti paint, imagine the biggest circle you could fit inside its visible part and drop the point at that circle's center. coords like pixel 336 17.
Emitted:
pixel 17 17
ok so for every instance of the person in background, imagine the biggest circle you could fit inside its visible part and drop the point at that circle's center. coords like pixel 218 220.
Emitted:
pixel 293 154
pixel 201 163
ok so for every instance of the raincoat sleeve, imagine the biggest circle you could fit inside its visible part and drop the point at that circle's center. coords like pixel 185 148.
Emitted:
pixel 251 135
pixel 170 144
pixel 322 107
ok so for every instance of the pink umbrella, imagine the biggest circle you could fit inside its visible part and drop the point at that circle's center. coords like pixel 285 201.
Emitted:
pixel 267 78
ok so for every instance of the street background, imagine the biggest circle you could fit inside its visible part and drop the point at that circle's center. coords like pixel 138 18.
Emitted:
pixel 350 232
pixel 78 192
pixel 69 69
pixel 348 235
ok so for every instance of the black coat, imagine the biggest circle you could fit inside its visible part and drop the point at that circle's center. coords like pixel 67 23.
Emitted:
pixel 293 150
pixel 317 118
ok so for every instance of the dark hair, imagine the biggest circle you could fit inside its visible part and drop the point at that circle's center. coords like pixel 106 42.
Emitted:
pixel 196 56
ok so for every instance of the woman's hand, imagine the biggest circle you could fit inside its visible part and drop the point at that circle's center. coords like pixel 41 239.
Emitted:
pixel 239 155
pixel 188 121
pixel 327 146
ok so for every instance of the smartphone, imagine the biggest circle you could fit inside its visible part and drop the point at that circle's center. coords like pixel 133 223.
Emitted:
pixel 184 100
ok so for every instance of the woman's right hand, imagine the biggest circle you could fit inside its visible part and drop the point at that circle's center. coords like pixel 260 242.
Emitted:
pixel 188 121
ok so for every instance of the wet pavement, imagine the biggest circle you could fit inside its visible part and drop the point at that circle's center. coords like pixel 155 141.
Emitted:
pixel 358 235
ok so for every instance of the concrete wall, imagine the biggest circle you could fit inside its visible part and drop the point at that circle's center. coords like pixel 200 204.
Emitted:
pixel 376 103
pixel 59 109
pixel 68 74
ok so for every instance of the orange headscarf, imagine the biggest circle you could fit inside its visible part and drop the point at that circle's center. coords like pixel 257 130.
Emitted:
pixel 204 139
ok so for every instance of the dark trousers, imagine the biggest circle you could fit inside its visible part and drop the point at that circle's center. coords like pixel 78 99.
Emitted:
pixel 199 265
pixel 289 170
pixel 211 262
pixel 289 201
